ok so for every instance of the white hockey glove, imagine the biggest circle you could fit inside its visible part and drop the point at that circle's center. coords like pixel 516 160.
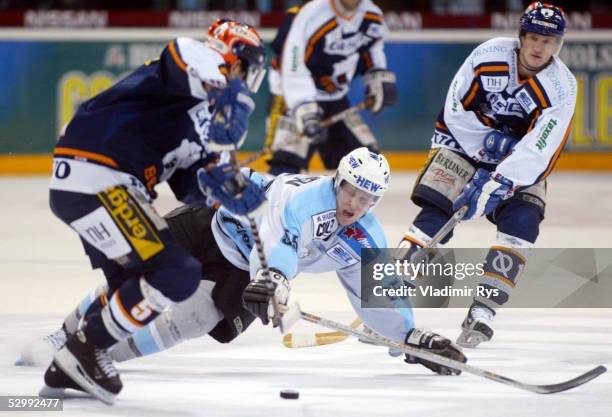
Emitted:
pixel 258 295
pixel 381 90
pixel 308 121
pixel 437 344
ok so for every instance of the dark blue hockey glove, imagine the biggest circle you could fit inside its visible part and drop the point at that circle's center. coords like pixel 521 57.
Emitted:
pixel 231 120
pixel 483 194
pixel 497 145
pixel 232 189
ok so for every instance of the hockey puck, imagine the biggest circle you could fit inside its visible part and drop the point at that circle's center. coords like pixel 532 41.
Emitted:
pixel 289 394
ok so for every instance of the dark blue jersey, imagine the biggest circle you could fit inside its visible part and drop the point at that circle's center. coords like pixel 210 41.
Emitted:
pixel 154 123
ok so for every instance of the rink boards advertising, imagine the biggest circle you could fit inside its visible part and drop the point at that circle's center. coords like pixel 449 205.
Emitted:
pixel 48 74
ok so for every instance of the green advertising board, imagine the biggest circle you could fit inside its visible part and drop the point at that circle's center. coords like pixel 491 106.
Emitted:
pixel 45 81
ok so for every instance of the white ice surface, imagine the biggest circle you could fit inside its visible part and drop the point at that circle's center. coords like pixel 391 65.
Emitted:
pixel 44 273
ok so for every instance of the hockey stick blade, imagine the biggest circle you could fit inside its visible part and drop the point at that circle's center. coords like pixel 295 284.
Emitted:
pixel 303 339
pixel 451 363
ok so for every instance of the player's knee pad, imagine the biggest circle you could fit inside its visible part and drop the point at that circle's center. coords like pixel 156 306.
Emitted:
pixel 191 318
pixel 520 220
pixel 289 148
pixel 128 309
pixel 504 264
pixel 444 176
pixel 359 131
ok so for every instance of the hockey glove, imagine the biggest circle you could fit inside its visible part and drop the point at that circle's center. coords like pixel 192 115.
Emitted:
pixel 232 189
pixel 437 344
pixel 258 295
pixel 498 145
pixel 483 194
pixel 308 122
pixel 381 90
pixel 231 120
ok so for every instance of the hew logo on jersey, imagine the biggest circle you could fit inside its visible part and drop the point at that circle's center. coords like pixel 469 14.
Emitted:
pixel 131 221
pixel 324 224
pixel 341 255
pixel 367 184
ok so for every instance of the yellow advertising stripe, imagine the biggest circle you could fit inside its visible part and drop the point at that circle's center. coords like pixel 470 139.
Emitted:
pixel 29 164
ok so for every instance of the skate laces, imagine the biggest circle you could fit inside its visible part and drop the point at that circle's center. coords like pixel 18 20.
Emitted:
pixel 105 362
pixel 57 338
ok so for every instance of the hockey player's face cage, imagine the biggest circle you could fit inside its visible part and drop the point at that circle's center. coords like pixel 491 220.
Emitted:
pixel 253 58
pixel 237 41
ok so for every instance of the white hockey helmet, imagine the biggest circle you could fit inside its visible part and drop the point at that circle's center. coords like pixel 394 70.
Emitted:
pixel 365 170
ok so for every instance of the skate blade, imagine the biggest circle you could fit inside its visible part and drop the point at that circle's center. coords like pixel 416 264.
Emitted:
pixel 63 393
pixel 68 363
pixel 471 339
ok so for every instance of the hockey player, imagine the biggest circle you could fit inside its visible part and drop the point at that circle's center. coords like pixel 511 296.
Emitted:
pixel 311 224
pixel 319 49
pixel 506 119
pixel 160 123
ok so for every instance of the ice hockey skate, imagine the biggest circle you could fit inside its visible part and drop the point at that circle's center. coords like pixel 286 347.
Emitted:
pixel 82 366
pixel 476 328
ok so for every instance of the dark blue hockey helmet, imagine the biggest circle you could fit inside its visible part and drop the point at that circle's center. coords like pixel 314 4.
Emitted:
pixel 544 19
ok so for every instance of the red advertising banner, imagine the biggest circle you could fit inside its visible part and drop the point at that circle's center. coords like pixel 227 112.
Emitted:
pixel 200 19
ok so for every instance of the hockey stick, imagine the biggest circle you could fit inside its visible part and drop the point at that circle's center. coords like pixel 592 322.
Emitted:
pixel 451 363
pixel 324 123
pixel 401 252
pixel 277 319
pixel 301 340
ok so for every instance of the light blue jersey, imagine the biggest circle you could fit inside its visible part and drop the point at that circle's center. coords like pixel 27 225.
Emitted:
pixel 301 234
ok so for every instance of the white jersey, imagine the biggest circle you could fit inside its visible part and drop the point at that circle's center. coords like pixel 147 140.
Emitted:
pixel 300 233
pixel 325 47
pixel 487 93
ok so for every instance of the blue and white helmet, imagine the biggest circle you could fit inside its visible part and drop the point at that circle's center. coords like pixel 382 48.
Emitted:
pixel 544 19
pixel 365 170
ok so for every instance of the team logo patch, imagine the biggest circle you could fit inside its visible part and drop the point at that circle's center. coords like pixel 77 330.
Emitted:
pixel 324 224
pixel 356 233
pixel 100 231
pixel 525 100
pixel 341 255
pixel 494 84
pixel 131 221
